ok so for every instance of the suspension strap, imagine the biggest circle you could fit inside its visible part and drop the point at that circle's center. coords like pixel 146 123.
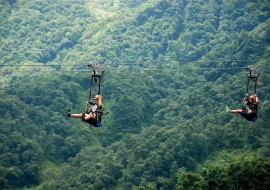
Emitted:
pixel 247 84
pixel 97 77
pixel 253 76
pixel 90 93
pixel 256 79
pixel 98 71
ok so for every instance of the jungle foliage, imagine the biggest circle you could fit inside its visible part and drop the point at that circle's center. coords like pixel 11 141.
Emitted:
pixel 167 127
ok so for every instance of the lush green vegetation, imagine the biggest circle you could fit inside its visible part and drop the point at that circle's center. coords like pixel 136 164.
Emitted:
pixel 167 127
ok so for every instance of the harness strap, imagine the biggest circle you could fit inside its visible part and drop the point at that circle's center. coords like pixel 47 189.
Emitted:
pixel 96 75
pixel 255 85
pixel 97 78
pixel 90 93
pixel 98 118
pixel 247 84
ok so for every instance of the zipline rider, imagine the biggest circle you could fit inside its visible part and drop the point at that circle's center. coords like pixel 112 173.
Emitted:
pixel 93 114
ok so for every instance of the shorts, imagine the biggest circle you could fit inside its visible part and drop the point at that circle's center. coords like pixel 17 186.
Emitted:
pixel 249 117
pixel 92 121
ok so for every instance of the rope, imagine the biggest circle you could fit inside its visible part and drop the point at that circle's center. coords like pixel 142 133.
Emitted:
pixel 110 107
pixel 263 102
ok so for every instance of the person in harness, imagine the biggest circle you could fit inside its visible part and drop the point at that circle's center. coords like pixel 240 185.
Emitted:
pixel 249 112
pixel 92 115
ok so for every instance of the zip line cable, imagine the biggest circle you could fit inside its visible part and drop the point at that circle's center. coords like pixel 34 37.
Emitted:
pixel 140 69
pixel 156 63
pixel 179 67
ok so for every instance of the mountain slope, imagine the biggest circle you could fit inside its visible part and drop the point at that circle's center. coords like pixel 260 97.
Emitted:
pixel 168 66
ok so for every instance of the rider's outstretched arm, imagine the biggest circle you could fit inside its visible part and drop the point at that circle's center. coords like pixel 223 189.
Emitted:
pixel 100 105
pixel 257 99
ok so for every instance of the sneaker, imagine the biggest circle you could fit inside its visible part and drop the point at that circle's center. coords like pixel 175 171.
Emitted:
pixel 227 109
pixel 68 112
pixel 247 110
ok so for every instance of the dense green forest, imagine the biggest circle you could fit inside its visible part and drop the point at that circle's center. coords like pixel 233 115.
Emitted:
pixel 171 67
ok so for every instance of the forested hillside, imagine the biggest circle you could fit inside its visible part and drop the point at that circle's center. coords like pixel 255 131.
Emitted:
pixel 171 67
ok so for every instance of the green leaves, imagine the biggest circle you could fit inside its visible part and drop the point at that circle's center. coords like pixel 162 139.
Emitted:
pixel 249 174
pixel 190 181
pixel 161 120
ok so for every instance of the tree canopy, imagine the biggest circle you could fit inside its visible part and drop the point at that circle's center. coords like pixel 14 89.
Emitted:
pixel 171 67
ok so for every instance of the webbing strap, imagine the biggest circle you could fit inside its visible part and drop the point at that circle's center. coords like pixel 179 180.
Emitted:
pixel 247 84
pixel 97 78
pixel 254 78
pixel 256 85
pixel 90 93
